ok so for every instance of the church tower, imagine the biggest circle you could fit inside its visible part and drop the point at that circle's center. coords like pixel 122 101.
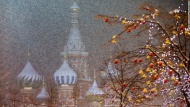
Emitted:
pixel 29 80
pixel 78 58
pixel 75 49
pixel 65 79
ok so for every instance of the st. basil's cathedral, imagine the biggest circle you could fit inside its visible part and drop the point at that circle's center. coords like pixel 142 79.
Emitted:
pixel 74 87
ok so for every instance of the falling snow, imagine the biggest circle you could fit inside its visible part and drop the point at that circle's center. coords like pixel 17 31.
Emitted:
pixel 41 28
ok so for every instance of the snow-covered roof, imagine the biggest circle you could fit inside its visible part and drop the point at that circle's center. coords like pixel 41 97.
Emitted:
pixel 28 77
pixel 74 44
pixel 65 75
pixel 29 73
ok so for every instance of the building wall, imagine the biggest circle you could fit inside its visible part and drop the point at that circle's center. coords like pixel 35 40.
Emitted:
pixel 79 64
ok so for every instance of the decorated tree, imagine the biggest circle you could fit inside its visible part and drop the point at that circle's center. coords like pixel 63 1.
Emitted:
pixel 160 67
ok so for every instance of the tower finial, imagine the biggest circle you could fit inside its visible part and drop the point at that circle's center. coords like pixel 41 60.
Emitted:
pixel 94 74
pixel 28 53
pixel 65 56
pixel 28 49
pixel 75 7
pixel 43 82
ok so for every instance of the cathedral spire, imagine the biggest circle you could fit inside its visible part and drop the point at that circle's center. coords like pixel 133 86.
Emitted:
pixel 94 74
pixel 75 10
pixel 43 95
pixel 74 44
pixel 94 93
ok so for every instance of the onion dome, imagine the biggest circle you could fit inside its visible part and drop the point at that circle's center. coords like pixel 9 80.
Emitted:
pixel 94 93
pixel 109 70
pixel 65 75
pixel 28 77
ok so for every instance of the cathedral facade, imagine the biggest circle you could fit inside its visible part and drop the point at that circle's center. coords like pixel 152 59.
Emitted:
pixel 74 86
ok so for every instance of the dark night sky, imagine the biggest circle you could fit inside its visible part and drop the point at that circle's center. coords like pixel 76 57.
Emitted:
pixel 42 26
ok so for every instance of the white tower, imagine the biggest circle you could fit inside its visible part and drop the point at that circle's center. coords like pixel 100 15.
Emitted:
pixel 77 58
pixel 75 49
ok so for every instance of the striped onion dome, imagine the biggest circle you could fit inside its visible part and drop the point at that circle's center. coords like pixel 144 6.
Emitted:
pixel 28 77
pixel 43 94
pixel 110 69
pixel 65 75
pixel 94 93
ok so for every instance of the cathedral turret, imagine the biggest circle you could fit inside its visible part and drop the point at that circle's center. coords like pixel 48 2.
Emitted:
pixel 43 96
pixel 65 79
pixel 95 94
pixel 75 48
pixel 65 75
pixel 29 80
pixel 28 77
pixel 74 44
pixel 77 59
